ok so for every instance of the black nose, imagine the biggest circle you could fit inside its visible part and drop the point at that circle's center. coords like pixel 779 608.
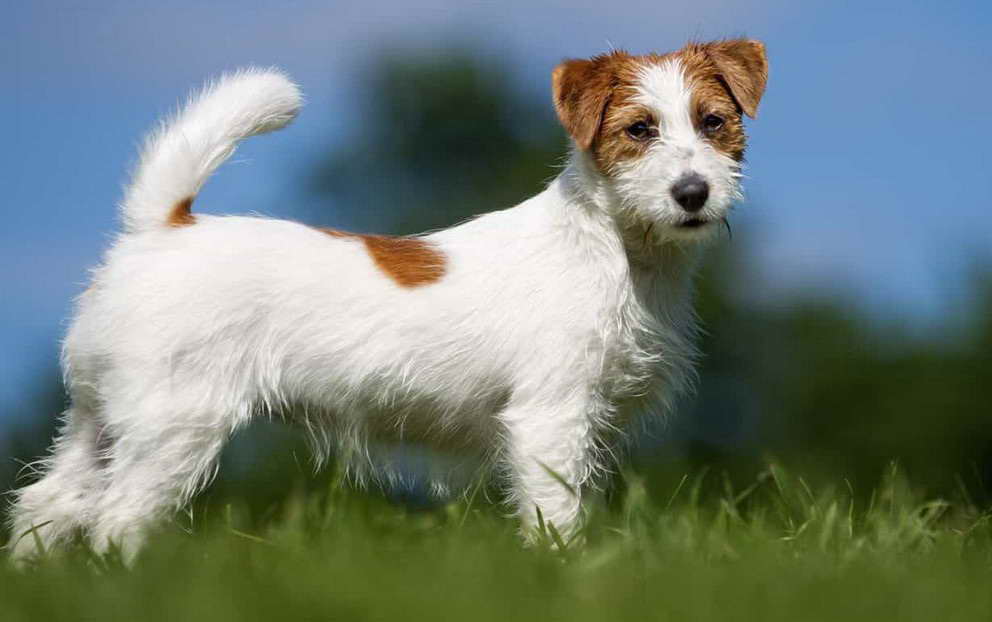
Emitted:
pixel 691 192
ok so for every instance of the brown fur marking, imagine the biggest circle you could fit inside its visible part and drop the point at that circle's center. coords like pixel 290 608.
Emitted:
pixel 409 261
pixel 595 98
pixel 742 66
pixel 581 90
pixel 711 94
pixel 613 145
pixel 181 214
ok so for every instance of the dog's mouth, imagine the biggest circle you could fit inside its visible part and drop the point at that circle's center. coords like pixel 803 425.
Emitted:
pixel 693 223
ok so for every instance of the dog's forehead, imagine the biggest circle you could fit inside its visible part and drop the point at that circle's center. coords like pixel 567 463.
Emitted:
pixel 661 85
pixel 669 81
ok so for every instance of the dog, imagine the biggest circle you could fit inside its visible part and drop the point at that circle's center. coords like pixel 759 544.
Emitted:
pixel 529 337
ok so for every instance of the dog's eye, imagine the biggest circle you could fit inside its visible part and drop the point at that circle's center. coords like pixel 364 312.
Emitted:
pixel 639 131
pixel 712 123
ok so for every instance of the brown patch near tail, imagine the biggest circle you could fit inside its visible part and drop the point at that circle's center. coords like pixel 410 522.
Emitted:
pixel 409 261
pixel 181 214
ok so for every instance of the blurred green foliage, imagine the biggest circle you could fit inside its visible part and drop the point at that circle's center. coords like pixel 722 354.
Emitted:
pixel 841 394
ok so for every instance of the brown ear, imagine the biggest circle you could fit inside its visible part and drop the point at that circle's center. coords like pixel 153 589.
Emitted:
pixel 581 89
pixel 744 67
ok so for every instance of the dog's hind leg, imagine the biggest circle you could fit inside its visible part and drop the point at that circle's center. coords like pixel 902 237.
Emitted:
pixel 164 453
pixel 51 511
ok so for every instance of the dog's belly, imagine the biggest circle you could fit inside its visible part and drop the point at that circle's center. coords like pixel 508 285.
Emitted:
pixel 469 426
pixel 416 394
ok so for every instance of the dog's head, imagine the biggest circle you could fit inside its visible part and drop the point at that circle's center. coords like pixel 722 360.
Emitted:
pixel 666 131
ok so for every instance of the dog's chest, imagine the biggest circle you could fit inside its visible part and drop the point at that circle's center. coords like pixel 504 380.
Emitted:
pixel 651 353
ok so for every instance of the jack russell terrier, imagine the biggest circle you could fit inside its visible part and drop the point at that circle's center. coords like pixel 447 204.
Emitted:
pixel 530 336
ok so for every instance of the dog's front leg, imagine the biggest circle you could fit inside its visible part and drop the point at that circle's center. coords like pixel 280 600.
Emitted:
pixel 549 456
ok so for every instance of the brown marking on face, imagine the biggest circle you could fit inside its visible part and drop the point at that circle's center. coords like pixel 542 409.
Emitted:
pixel 727 78
pixel 181 214
pixel 409 261
pixel 581 89
pixel 741 64
pixel 614 144
pixel 595 99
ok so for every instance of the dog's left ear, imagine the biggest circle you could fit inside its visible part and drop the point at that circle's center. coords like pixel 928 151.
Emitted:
pixel 744 68
pixel 581 89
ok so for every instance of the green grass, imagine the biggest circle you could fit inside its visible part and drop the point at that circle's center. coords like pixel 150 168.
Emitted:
pixel 776 550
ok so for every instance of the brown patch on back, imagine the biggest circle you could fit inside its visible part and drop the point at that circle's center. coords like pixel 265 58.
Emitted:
pixel 595 98
pixel 181 214
pixel 409 261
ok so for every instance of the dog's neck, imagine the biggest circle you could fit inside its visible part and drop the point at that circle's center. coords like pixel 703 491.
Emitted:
pixel 648 284
pixel 588 202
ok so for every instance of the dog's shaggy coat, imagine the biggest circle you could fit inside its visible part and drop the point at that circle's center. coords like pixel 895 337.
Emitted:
pixel 527 336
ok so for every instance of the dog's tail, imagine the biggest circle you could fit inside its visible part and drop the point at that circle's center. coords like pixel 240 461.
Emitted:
pixel 181 154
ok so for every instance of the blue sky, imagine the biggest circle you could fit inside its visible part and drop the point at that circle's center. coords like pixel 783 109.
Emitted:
pixel 870 173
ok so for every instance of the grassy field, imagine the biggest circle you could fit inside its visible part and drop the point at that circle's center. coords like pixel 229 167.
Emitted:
pixel 775 550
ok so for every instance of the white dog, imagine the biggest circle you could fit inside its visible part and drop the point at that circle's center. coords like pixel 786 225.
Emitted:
pixel 528 335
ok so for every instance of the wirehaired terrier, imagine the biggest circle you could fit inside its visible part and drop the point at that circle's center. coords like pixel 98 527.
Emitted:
pixel 527 337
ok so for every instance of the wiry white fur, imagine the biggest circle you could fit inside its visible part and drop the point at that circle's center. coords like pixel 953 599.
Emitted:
pixel 550 329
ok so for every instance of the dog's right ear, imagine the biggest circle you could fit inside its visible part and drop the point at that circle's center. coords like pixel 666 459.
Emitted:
pixel 581 89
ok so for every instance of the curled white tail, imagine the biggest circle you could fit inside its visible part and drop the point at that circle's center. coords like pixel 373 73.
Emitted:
pixel 180 155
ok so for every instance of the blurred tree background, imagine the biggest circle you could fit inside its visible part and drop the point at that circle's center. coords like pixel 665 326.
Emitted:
pixel 811 381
